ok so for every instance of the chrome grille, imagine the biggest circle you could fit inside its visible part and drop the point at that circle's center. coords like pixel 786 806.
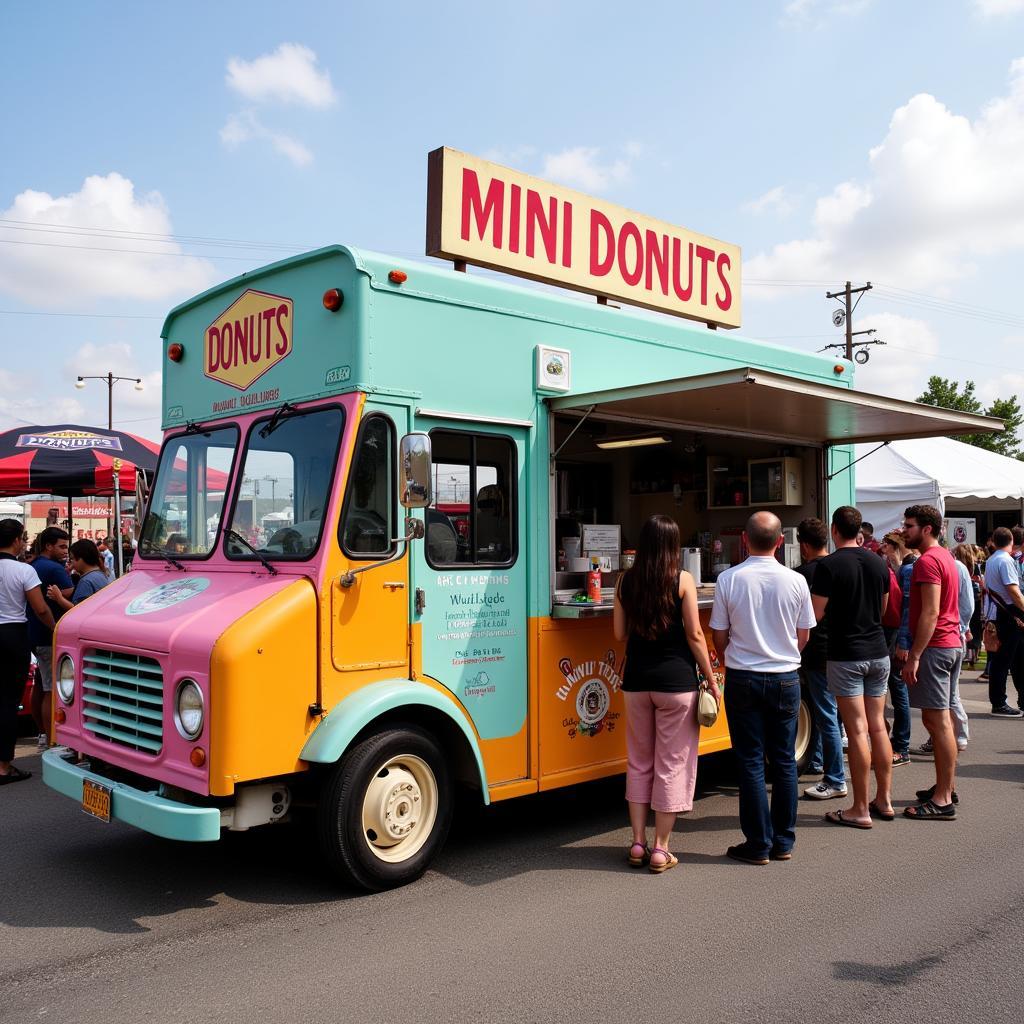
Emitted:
pixel 123 699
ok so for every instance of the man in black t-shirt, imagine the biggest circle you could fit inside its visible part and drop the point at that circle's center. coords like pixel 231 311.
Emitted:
pixel 813 537
pixel 854 585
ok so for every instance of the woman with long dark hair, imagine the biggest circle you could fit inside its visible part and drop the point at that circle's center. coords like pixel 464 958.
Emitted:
pixel 656 613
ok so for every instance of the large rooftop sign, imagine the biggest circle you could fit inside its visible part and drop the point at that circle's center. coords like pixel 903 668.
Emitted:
pixel 489 215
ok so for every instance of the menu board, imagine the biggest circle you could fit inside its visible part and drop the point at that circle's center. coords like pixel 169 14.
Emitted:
pixel 601 539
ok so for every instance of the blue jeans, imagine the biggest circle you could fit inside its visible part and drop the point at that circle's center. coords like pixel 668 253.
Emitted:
pixel 826 718
pixel 900 710
pixel 762 708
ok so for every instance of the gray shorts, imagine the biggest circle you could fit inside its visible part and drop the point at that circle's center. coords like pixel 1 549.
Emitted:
pixel 936 674
pixel 868 678
pixel 44 667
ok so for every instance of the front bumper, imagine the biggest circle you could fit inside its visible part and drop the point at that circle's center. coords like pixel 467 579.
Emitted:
pixel 148 811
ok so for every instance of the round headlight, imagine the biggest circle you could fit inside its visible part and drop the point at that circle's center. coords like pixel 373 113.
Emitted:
pixel 188 709
pixel 66 679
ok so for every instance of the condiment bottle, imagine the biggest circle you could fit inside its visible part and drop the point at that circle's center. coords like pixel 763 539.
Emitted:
pixel 594 582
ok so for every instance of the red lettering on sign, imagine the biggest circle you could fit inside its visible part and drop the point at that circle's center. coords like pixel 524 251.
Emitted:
pixel 631 232
pixel 548 225
pixel 227 353
pixel 683 294
pixel 483 210
pixel 705 255
pixel 567 235
pixel 657 253
pixel 212 353
pixel 282 345
pixel 725 301
pixel 513 218
pixel 600 224
pixel 241 343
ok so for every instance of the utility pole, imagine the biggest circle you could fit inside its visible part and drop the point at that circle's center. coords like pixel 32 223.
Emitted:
pixel 845 316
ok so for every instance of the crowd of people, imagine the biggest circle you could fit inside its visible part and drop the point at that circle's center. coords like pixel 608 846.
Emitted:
pixel 38 584
pixel 872 618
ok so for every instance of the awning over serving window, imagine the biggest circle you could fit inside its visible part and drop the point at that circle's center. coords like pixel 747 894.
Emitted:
pixel 759 403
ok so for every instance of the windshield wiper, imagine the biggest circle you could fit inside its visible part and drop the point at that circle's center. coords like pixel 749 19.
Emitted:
pixel 241 540
pixel 275 420
pixel 169 560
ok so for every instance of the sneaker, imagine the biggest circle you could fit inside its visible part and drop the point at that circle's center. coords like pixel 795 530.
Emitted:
pixel 42 742
pixel 926 748
pixel 1006 712
pixel 823 791
pixel 900 759
pixel 779 854
pixel 742 853
pixel 961 745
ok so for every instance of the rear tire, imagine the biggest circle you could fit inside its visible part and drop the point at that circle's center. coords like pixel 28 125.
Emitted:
pixel 385 810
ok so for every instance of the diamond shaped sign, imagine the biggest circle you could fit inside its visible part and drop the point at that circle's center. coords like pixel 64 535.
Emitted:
pixel 253 334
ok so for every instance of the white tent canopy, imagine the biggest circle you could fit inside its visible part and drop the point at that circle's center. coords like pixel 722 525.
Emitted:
pixel 938 471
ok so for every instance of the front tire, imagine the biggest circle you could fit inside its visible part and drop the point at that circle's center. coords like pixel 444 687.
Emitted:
pixel 385 810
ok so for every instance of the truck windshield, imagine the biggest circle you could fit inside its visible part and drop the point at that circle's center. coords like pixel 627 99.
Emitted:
pixel 286 485
pixel 188 494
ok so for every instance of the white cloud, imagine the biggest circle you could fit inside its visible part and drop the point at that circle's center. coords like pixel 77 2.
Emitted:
pixel 65 269
pixel 119 358
pixel 289 75
pixel 940 192
pixel 998 8
pixel 775 200
pixel 247 127
pixel 581 167
pixel 23 402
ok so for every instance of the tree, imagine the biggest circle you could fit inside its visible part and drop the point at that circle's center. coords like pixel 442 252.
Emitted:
pixel 946 394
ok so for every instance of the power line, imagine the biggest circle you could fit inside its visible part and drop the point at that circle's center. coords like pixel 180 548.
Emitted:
pixel 102 316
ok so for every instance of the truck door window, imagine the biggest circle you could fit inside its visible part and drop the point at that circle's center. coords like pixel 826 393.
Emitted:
pixel 472 518
pixel 285 485
pixel 185 508
pixel 368 522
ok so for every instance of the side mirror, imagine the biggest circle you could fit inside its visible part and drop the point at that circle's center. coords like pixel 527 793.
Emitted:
pixel 415 471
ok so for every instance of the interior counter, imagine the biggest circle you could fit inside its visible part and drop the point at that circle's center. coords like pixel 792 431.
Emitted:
pixel 564 607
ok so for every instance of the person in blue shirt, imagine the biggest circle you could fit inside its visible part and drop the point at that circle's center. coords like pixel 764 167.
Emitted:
pixel 87 562
pixel 1003 582
pixel 49 565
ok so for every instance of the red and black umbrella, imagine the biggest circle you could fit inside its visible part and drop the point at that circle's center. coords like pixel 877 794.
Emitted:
pixel 69 459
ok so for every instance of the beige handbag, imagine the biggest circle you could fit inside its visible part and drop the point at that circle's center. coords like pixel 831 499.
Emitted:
pixel 707 706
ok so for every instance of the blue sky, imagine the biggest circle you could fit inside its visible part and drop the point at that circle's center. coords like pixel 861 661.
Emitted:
pixel 829 138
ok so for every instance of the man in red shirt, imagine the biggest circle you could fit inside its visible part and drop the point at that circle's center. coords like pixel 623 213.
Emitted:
pixel 933 663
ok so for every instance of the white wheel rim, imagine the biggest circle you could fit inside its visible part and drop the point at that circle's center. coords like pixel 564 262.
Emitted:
pixel 803 730
pixel 399 808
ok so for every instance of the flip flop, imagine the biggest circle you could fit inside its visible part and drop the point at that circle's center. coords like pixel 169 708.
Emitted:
pixel 639 862
pixel 877 812
pixel 14 775
pixel 657 869
pixel 929 810
pixel 838 818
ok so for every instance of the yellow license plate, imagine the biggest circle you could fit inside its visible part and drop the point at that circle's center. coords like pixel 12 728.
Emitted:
pixel 96 800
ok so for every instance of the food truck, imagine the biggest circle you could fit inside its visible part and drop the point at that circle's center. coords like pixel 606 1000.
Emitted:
pixel 455 450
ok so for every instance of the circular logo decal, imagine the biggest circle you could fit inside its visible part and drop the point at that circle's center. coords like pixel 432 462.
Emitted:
pixel 166 595
pixel 960 535
pixel 592 702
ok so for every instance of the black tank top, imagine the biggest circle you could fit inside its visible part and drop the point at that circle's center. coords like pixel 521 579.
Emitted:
pixel 665 664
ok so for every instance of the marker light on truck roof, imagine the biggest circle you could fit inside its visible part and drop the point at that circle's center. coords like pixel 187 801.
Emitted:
pixel 398 277
pixel 175 352
pixel 333 298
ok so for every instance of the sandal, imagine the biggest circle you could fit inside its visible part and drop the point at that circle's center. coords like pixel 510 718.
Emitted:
pixel 657 869
pixel 639 862
pixel 927 794
pixel 877 812
pixel 929 810
pixel 14 775
pixel 837 818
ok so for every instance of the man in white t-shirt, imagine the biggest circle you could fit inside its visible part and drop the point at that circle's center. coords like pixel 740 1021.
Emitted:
pixel 760 621
pixel 18 584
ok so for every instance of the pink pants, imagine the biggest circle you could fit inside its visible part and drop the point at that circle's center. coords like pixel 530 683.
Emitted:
pixel 662 736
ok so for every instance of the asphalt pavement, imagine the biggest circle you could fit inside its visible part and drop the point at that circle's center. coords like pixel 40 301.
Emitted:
pixel 531 915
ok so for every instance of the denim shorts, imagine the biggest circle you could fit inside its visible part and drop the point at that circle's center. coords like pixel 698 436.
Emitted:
pixel 44 667
pixel 868 678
